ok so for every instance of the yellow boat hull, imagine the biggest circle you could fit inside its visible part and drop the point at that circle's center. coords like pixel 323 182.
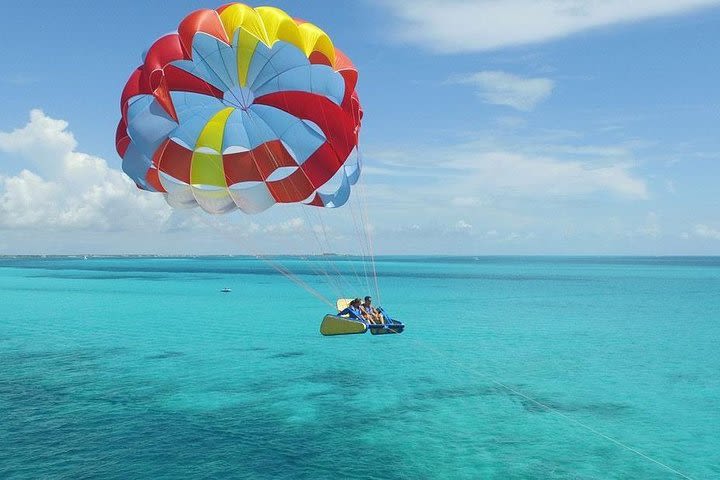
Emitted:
pixel 334 325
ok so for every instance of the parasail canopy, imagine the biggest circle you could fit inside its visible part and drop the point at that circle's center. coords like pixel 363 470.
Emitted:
pixel 242 108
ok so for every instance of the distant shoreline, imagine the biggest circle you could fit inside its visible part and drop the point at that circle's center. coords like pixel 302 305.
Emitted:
pixel 89 256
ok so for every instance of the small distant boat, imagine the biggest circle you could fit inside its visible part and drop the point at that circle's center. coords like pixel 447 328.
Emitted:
pixel 226 290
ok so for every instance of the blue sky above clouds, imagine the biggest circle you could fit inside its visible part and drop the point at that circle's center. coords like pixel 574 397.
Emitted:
pixel 518 127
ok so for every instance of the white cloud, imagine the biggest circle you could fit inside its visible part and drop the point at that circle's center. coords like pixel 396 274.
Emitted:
pixel 293 225
pixel 470 171
pixel 43 143
pixel 502 88
pixel 462 226
pixel 456 26
pixel 504 186
pixel 61 188
pixel 550 164
pixel 705 231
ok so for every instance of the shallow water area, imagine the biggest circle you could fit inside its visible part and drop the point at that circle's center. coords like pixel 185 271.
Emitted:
pixel 139 367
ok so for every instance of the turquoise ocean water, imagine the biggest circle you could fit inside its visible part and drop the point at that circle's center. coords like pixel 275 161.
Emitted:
pixel 140 368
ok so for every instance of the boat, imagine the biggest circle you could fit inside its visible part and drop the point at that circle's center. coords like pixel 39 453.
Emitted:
pixel 226 290
pixel 334 324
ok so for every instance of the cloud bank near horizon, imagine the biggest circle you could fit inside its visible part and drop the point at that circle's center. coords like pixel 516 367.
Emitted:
pixel 479 192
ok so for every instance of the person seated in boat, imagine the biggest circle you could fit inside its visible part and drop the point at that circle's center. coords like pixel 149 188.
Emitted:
pixel 370 312
pixel 353 311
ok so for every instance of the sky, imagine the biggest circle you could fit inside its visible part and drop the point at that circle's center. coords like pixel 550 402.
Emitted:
pixel 560 127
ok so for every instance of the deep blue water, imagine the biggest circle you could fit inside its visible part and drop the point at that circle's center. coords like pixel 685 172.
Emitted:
pixel 141 368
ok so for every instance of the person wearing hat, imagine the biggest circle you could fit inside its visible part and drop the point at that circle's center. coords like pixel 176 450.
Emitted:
pixel 370 312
